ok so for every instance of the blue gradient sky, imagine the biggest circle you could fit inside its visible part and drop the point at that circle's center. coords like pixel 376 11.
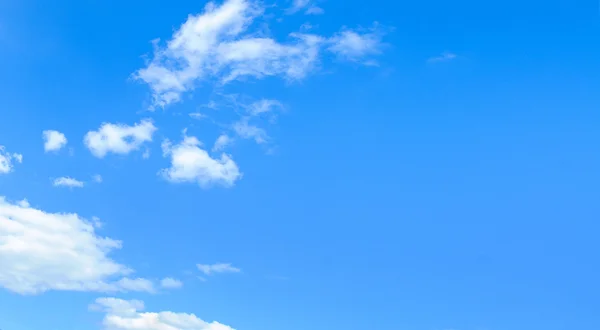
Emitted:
pixel 422 193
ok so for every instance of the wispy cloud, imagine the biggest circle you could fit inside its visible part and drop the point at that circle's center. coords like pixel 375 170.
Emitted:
pixel 352 45
pixel 7 160
pixel 248 131
pixel 170 283
pixel 217 45
pixel 222 142
pixel 66 181
pixel 210 269
pixel 309 7
pixel 444 57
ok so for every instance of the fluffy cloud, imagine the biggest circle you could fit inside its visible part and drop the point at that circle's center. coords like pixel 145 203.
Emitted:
pixel 128 315
pixel 53 140
pixel 170 283
pixel 119 138
pixel 41 251
pixel 191 163
pixel 67 182
pixel 216 44
pixel 7 159
pixel 217 268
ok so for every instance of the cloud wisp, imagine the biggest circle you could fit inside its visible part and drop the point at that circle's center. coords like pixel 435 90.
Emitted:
pixel 211 269
pixel 8 160
pixel 69 182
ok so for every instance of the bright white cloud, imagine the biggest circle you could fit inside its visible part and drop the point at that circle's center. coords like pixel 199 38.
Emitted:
pixel 53 140
pixel 41 251
pixel 354 46
pixel 191 163
pixel 217 268
pixel 444 57
pixel 128 315
pixel 216 44
pixel 119 138
pixel 170 283
pixel 222 142
pixel 7 160
pixel 66 181
pixel 248 131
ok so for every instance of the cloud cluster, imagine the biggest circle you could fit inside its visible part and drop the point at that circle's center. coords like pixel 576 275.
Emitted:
pixel 128 315
pixel 191 163
pixel 53 140
pixel 216 44
pixel 119 138
pixel 7 160
pixel 41 251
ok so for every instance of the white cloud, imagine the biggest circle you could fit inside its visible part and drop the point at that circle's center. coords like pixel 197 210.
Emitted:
pixel 222 141
pixel 217 268
pixel 97 223
pixel 41 251
pixel 136 284
pixel 353 46
pixel 6 160
pixel 170 283
pixel 97 178
pixel 53 140
pixel 444 57
pixel 66 181
pixel 314 10
pixel 128 315
pixel 311 8
pixel 264 106
pixel 215 44
pixel 119 138
pixel 197 115
pixel 191 163
pixel 248 131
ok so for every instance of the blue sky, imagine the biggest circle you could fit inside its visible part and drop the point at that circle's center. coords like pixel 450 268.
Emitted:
pixel 299 165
